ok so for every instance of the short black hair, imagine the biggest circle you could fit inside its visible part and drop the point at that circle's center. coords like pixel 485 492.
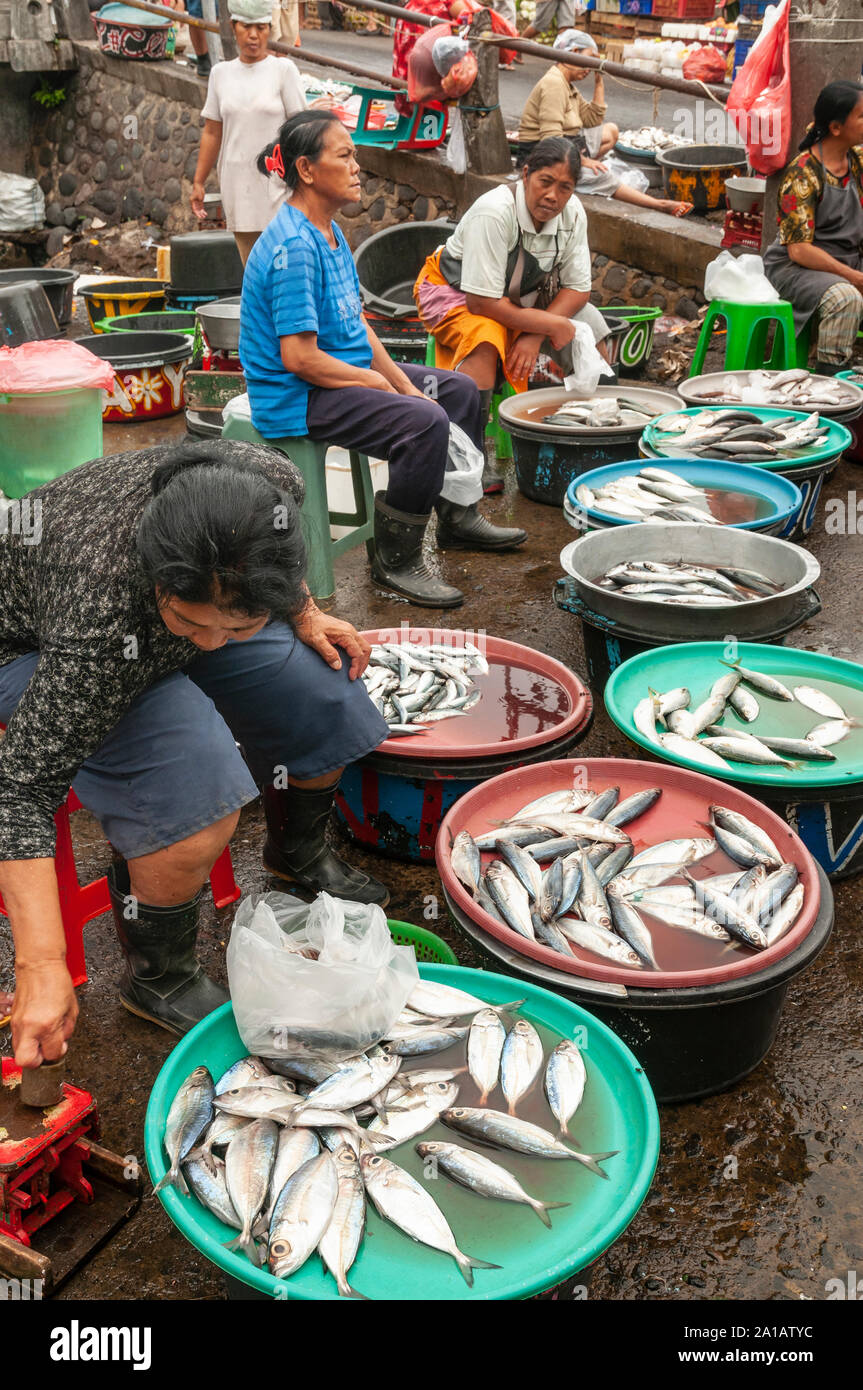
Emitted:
pixel 302 135
pixel 555 149
pixel 835 102
pixel 218 530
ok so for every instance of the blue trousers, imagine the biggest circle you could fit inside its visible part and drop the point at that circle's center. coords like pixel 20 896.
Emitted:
pixel 171 766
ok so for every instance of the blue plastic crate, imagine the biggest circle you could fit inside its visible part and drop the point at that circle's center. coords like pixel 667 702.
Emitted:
pixel 741 49
pixel 755 9
pixel 636 6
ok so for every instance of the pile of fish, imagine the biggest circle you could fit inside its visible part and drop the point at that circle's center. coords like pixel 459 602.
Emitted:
pixel 692 586
pixel 595 891
pixel 415 685
pixel 649 137
pixel 294 1166
pixel 600 412
pixel 697 733
pixel 797 389
pixel 651 494
pixel 739 434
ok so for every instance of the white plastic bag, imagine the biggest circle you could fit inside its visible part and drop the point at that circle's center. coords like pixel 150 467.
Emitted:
pixel 462 482
pixel 328 1008
pixel 588 365
pixel 739 278
pixel 22 203
pixel 456 154
pixel 626 173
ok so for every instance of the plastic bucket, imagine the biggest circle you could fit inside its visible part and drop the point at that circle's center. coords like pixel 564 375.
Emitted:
pixel 389 262
pixel 47 433
pixel 823 802
pixel 114 297
pixel 394 799
pixel 57 284
pixel 26 315
pixel 619 1110
pixel 148 373
pixel 696 173
pixel 166 321
pixel 691 1042
pixel 783 496
pixel 608 644
pixel 636 344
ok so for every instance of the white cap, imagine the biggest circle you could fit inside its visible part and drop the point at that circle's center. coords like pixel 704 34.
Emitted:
pixel 571 40
pixel 251 11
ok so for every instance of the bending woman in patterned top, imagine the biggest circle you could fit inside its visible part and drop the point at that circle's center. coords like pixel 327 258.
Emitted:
pixel 162 620
pixel 816 261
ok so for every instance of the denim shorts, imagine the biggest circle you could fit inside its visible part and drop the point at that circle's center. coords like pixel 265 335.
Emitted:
pixel 171 766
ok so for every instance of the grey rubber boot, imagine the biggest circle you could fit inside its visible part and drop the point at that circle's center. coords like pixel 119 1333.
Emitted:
pixel 465 528
pixel 399 563
pixel 162 979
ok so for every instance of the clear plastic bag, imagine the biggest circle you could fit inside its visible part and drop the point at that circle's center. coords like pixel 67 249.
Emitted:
pixel 321 980
pixel 462 482
pixel 740 279
pixel 625 173
pixel 588 365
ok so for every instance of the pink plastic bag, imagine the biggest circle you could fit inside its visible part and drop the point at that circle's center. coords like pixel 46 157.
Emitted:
pixel 705 63
pixel 760 98
pixel 51 365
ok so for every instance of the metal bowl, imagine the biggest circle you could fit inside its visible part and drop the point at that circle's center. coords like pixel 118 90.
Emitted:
pixel 220 321
pixel 696 390
pixel 586 559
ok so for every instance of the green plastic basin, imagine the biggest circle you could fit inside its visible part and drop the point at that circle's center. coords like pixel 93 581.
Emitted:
pixel 838 439
pixel 618 1112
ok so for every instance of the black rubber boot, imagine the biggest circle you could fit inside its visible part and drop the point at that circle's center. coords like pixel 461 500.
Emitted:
pixel 162 979
pixel 465 528
pixel 399 563
pixel 296 847
pixel 491 479
pixel 831 368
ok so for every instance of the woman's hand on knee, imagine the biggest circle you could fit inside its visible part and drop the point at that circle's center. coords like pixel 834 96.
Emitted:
pixel 44 1012
pixel 324 634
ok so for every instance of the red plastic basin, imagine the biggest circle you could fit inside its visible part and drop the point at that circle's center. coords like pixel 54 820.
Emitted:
pixel 681 812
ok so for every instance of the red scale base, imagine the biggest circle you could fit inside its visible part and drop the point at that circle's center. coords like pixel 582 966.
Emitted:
pixel 742 229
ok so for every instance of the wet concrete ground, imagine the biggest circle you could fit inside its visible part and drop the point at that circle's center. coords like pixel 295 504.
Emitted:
pixel 788 1221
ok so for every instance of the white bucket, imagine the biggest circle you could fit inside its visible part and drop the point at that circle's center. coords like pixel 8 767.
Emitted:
pixel 340 493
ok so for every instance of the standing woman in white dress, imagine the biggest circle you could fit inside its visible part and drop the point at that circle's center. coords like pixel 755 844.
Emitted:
pixel 248 101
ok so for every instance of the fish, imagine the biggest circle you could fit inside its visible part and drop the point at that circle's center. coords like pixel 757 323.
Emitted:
pixel 305 1069
pixel 302 1215
pixel 684 918
pixel 549 934
pixel 243 1073
pixel 563 801
pixel 424 1041
pixel 249 1165
pixel 832 732
pixel 591 900
pixel 256 1102
pixel 525 868
pixel 401 1200
pixel 600 941
pixel 509 897
pixel 219 1132
pixel 564 1083
pixel 741 825
pixel 484 1048
pixel 646 715
pixel 521 1061
pixel 634 806
pixel 509 1132
pixel 190 1113
pixel 685 851
pixel 397 1126
pixel 818 701
pixel 464 858
pixel 798 748
pixel 768 685
pixel 586 827
pixel 745 750
pixel 707 712
pixel 744 703
pixel 446 1001
pixel 551 896
pixel 785 915
pixel 629 926
pixel 671 700
pixel 693 750
pixel 295 1147
pixel 727 913
pixel 206 1179
pixel 482 1175
pixel 414 685
pixel 356 1081
pixel 343 1236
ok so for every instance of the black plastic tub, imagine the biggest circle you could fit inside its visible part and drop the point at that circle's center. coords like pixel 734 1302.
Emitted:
pixel 389 262
pixel 57 284
pixel 608 644
pixel 205 263
pixel 691 1042
pixel 26 315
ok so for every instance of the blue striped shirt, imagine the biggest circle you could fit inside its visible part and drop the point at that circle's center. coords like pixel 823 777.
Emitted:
pixel 295 282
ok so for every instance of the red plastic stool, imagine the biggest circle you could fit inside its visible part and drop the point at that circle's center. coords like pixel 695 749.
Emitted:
pixel 79 903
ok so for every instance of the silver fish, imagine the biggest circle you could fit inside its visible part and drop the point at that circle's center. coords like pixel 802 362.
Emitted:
pixel 256 1102
pixel 591 900
pixel 483 1176
pixel 565 1080
pixel 671 700
pixel 684 918
pixel 521 1061
pixel 746 886
pixel 484 1047
pixel 785 916
pixel 587 827
pixel 190 1113
pixel 745 750
pixel 708 712
pixel 243 1073
pixel 509 1132
pixel 400 1199
pixel 600 941
pixel 561 802
pixel 425 1041
pixel 446 1001
pixel 549 934
pixel 341 1240
pixel 634 806
pixel 220 1132
pixel 770 894
pixel 509 897
pixel 818 701
pixel 356 1081
pixel 302 1215
pixel 610 867
pixel 799 748
pixel 744 703
pixel 524 866
pixel 410 1120
pixel 629 926
pixel 694 751
pixel 303 1069
pixel 645 716
pixel 833 731
pixel 686 851
pixel 465 861
pixel 248 1169
pixel 295 1147
pixel 551 898
pixel 206 1178
pixel 727 913
pixel 768 685
pixel 741 825
pixel 603 804
pixel 725 685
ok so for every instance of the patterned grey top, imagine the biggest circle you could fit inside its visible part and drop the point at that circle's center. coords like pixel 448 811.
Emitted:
pixel 77 599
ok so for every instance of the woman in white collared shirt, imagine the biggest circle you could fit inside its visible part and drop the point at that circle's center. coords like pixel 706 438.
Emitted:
pixel 516 249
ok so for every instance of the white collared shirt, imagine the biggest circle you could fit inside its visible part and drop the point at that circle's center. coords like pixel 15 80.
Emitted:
pixel 489 230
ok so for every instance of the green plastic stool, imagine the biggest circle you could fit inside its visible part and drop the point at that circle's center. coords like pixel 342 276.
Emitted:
pixel 746 338
pixel 310 458
pixel 493 430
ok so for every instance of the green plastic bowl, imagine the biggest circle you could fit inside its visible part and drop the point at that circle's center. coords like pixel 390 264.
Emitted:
pixel 427 946
pixel 390 1266
pixel 698 664
pixel 838 439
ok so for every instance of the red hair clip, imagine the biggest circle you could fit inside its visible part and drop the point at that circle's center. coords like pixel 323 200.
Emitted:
pixel 274 163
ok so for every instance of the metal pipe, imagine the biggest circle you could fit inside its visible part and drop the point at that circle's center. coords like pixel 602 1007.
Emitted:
pixel 300 54
pixel 588 60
